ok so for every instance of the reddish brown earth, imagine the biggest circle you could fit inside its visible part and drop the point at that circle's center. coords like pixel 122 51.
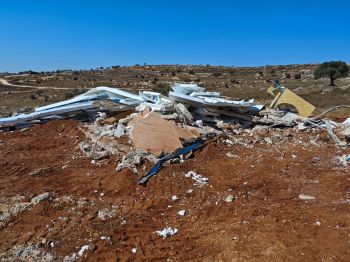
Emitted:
pixel 266 221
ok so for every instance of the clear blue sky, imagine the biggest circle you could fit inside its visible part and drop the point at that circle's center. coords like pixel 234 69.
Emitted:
pixel 49 35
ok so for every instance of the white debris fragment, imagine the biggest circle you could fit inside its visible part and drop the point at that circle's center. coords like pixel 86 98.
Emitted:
pixel 134 250
pixel 189 191
pixel 181 212
pixel 318 223
pixel 229 198
pixel 105 238
pixel 174 198
pixel 343 160
pixel 268 140
pixel 42 197
pixel 199 123
pixel 200 180
pixel 167 232
pixel 105 214
pixel 83 249
pixel 229 142
pixel 306 197
pixel 230 155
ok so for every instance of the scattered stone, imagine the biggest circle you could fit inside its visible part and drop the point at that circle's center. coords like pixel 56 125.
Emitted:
pixel 182 212
pixel 105 214
pixel 301 127
pixel 199 123
pixel 42 197
pixel 173 116
pixel 174 198
pixel 134 159
pixel 268 140
pixel 83 249
pixel 306 197
pixel 105 238
pixel 27 253
pixel 343 160
pixel 184 115
pixel 167 232
pixel 175 161
pixel 200 180
pixel 134 250
pixel 316 159
pixel 229 142
pixel 230 155
pixel 229 199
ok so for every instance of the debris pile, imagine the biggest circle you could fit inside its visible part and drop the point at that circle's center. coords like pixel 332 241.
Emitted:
pixel 154 128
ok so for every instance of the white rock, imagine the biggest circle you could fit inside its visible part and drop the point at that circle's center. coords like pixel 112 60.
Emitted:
pixel 182 212
pixel 174 198
pixel 134 250
pixel 200 180
pixel 268 140
pixel 42 197
pixel 83 249
pixel 301 127
pixel 105 238
pixel 167 232
pixel 105 214
pixel 306 197
pixel 229 198
pixel 230 155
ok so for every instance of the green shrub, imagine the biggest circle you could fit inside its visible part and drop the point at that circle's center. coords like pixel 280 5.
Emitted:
pixel 162 88
pixel 333 70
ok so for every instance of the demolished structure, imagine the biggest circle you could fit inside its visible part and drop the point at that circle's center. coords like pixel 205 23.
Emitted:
pixel 160 128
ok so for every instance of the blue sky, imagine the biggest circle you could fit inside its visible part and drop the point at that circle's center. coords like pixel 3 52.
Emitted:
pixel 49 35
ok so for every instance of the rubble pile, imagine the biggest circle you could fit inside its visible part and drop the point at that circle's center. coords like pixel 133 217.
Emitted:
pixel 158 129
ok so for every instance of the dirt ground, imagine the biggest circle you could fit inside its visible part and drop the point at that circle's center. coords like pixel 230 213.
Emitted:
pixel 249 210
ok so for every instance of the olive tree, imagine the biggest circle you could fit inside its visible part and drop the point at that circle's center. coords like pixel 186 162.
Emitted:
pixel 333 70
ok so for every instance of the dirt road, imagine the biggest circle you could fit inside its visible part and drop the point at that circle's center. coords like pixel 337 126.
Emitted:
pixel 4 82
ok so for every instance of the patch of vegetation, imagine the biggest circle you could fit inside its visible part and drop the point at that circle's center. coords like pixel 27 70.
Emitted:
pixel 297 76
pixel 217 74
pixel 30 72
pixel 75 92
pixel 162 88
pixel 39 92
pixel 332 70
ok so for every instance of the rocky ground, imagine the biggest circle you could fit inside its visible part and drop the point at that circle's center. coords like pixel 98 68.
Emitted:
pixel 262 194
